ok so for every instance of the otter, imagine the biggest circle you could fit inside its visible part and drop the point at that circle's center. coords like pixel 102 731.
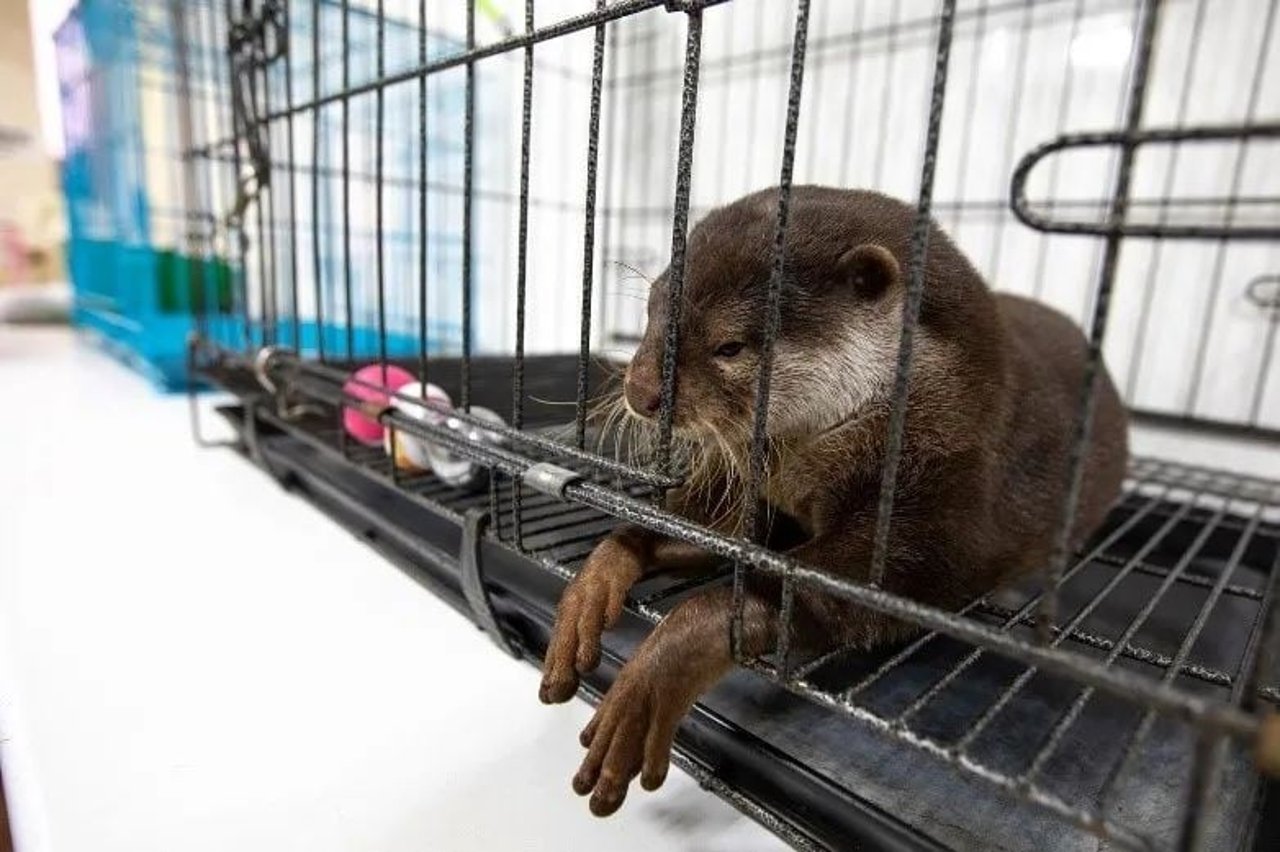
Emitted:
pixel 994 387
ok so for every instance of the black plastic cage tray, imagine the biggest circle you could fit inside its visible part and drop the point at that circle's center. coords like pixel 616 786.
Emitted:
pixel 812 774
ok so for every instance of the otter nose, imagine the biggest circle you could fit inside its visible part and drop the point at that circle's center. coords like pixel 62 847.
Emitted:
pixel 643 393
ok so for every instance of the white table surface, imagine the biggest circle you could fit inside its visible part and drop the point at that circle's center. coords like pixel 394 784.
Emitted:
pixel 192 659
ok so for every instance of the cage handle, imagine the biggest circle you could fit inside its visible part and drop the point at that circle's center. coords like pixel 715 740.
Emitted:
pixel 1071 141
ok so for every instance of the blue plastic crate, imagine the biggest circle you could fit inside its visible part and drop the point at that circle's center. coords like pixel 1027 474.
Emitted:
pixel 139 290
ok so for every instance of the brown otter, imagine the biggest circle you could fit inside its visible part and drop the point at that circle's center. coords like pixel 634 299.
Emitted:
pixel 994 387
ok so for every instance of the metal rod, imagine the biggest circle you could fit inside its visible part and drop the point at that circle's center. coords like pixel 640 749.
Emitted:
pixel 296 323
pixel 346 177
pixel 1083 427
pixel 679 234
pixel 589 233
pixel 423 226
pixel 379 146
pixel 522 260
pixel 468 181
pixel 316 126
pixel 770 323
pixel 914 295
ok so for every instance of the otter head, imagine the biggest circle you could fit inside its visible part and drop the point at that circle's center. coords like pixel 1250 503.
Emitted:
pixel 835 350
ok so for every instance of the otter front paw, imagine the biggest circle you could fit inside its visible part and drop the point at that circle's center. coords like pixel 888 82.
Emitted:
pixel 631 734
pixel 590 605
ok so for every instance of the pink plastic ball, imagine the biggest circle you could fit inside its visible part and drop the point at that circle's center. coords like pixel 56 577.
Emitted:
pixel 387 377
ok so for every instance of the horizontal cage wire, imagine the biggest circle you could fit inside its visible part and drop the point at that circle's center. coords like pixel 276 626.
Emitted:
pixel 481 193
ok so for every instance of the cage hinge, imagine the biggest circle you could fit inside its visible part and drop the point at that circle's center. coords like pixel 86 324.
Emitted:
pixel 473 526
pixel 550 478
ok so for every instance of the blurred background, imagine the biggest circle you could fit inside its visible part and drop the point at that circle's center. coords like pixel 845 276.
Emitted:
pixel 32 217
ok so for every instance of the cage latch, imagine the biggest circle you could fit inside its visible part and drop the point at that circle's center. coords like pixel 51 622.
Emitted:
pixel 473 526
pixel 550 478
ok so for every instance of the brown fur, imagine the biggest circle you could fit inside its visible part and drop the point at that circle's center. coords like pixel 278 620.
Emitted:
pixel 994 387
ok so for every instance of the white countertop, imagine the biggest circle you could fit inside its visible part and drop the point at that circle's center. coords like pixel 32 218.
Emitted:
pixel 192 659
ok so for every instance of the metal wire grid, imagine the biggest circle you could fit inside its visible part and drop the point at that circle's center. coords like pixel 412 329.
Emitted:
pixel 1216 716
pixel 1196 535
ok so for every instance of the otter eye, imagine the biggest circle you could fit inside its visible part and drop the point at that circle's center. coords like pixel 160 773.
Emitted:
pixel 730 349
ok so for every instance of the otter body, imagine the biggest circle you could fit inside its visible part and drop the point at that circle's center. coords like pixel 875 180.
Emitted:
pixel 993 395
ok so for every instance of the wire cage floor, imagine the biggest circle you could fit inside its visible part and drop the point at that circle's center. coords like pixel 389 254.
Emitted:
pixel 1038 759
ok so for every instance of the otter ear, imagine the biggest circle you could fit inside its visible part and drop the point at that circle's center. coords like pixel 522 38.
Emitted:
pixel 870 268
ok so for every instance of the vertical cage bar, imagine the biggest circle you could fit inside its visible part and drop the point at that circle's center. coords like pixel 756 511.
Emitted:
pixel 346 183
pixel 1052 573
pixel 603 311
pixel 522 264
pixel 380 107
pixel 914 296
pixel 190 217
pixel 315 178
pixel 679 231
pixel 268 200
pixel 205 129
pixel 589 232
pixel 235 224
pixel 468 177
pixel 291 161
pixel 422 200
pixel 771 321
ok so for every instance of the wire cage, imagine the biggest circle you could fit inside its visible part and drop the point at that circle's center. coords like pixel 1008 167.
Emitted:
pixel 476 191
